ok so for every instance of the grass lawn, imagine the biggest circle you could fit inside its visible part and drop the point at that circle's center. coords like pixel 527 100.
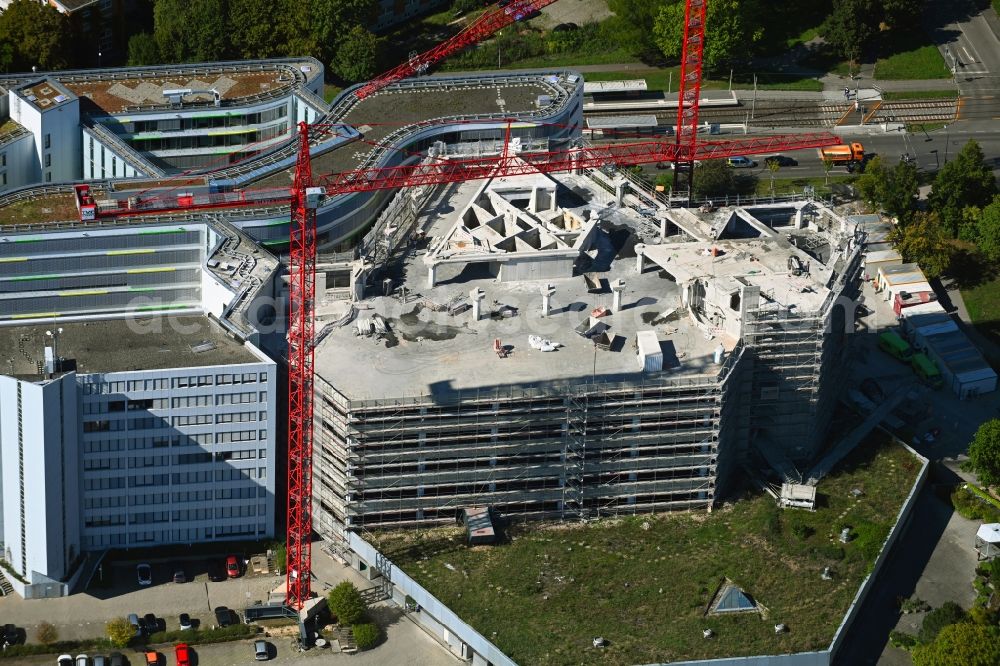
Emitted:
pixel 330 92
pixel 892 96
pixel 983 304
pixel 644 583
pixel 922 62
pixel 55 207
pixel 791 185
pixel 568 60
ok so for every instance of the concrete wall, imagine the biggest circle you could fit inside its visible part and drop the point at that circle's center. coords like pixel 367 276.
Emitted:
pixel 453 630
pixel 17 162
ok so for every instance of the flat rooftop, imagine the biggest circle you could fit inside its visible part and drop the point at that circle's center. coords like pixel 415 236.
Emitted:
pixel 376 117
pixel 46 94
pixel 121 345
pixel 434 352
pixel 381 114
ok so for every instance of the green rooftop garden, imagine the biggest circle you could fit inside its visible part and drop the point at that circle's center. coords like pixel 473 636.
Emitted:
pixel 644 583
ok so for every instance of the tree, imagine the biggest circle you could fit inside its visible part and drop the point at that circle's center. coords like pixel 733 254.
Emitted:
pixel 938 619
pixel 366 635
pixel 732 27
pixel 924 241
pixel 981 227
pixel 142 50
pixel 850 26
pixel 46 633
pixel 965 181
pixel 827 168
pixel 963 643
pixel 713 178
pixel 355 58
pixel 37 34
pixel 984 453
pixel 346 603
pixel 333 21
pixel 773 166
pixel 257 30
pixel 892 189
pixel 635 17
pixel 119 631
pixel 873 184
pixel 191 30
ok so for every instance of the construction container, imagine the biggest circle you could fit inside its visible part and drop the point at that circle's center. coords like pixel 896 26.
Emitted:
pixel 908 299
pixel 649 353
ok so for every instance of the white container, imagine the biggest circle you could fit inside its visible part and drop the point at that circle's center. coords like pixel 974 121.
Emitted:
pixel 649 353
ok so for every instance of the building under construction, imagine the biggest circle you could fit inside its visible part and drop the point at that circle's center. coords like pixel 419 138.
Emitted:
pixel 567 347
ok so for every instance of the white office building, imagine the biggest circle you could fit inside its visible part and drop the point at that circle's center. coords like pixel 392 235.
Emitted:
pixel 128 433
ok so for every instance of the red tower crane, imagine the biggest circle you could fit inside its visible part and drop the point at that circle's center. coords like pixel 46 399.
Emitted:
pixel 301 311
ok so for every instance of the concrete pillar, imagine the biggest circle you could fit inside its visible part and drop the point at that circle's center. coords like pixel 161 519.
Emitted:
pixel 547 292
pixel 617 287
pixel 477 295
pixel 620 191
pixel 662 217
pixel 431 277
pixel 639 261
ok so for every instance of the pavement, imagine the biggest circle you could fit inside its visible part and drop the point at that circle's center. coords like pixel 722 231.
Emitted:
pixel 84 616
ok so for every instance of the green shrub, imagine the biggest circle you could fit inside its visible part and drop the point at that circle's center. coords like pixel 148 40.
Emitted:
pixel 346 603
pixel 119 631
pixel 366 635
pixel 868 538
pixel 938 619
pixel 968 505
pixel 204 636
pixel 901 639
pixel 914 605
pixel 70 647
pixel 803 531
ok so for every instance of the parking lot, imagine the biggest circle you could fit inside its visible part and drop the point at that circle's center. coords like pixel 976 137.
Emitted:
pixel 957 420
pixel 84 615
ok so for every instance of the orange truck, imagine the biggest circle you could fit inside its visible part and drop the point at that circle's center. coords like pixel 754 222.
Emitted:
pixel 848 154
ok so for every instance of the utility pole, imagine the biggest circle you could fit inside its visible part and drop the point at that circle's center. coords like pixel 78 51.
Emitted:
pixel 499 35
pixel 753 102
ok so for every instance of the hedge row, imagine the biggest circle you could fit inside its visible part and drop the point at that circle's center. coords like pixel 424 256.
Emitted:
pixel 69 647
pixel 204 636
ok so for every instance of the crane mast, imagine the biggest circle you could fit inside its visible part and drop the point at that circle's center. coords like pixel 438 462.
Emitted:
pixel 301 311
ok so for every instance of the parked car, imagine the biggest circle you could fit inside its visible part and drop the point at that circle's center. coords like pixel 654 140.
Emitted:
pixel 232 567
pixel 180 577
pixel 225 617
pixel 144 573
pixel 872 390
pixel 118 659
pixel 153 623
pixel 183 654
pixel 11 634
pixel 136 624
pixel 740 162
pixel 781 160
pixel 100 660
pixel 261 650
pixel 82 660
pixel 185 621
pixel 64 660
pixel 152 658
pixel 216 571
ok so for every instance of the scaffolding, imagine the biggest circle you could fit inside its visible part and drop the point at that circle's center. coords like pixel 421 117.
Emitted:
pixel 567 451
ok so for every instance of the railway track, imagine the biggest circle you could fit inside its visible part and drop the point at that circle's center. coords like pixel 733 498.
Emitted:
pixel 806 113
